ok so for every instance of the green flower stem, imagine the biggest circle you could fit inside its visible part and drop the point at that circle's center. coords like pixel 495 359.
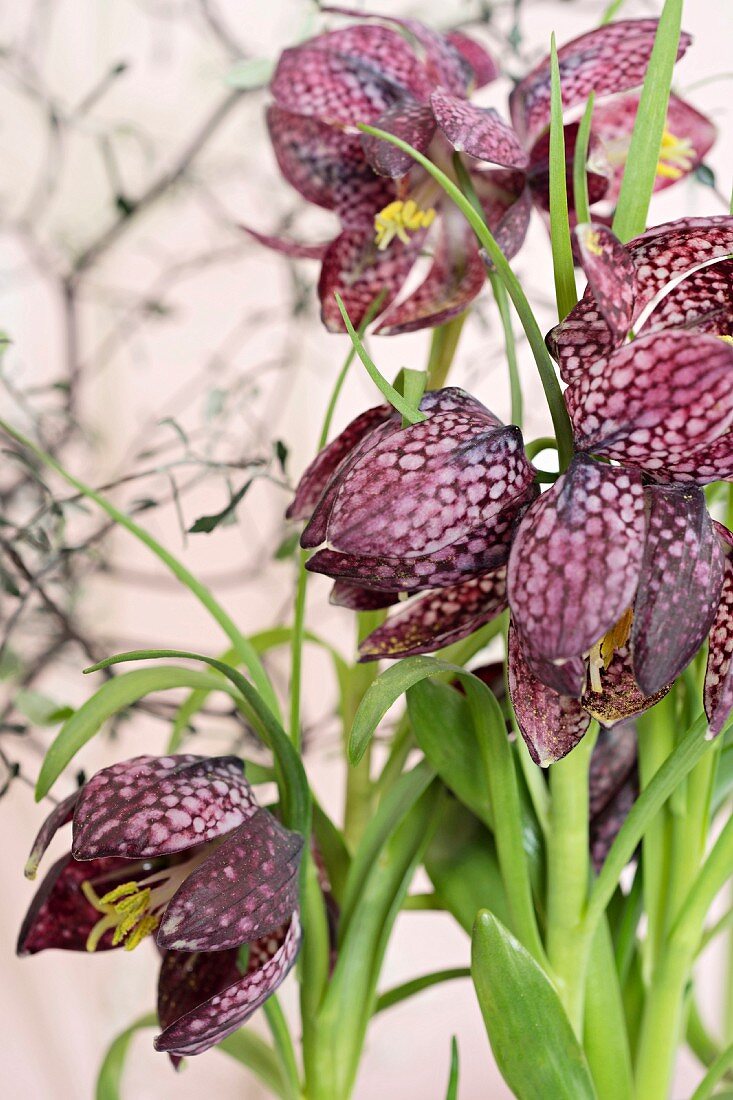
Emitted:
pixel 240 643
pixel 545 365
pixel 562 249
pixel 280 1032
pixel 516 415
pixel 443 349
pixel 399 750
pixel 605 1039
pixel 568 871
pixel 655 744
pixel 716 1073
pixel 359 798
pixel 664 1007
pixel 368 318
pixel 296 649
pixel 580 163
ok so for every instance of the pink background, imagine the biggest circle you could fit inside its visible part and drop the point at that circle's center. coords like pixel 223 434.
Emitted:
pixel 59 1013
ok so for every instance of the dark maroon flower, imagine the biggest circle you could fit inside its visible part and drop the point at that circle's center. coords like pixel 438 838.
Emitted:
pixel 409 509
pixel 612 62
pixel 176 846
pixel 613 787
pixel 402 77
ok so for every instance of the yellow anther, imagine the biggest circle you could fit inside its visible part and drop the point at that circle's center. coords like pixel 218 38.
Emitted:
pixel 676 156
pixel 727 339
pixel 125 912
pixel 602 652
pixel 398 219
pixel 593 242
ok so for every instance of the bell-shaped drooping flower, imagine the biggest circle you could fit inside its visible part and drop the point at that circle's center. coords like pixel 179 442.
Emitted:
pixel 617 573
pixel 175 846
pixel 610 61
pixel 613 787
pixel 403 77
pixel 409 509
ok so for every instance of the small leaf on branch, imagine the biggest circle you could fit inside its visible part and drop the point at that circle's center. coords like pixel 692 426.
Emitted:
pixel 207 524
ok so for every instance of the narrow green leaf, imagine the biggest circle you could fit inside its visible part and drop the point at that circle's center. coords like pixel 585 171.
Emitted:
pixel 441 721
pixel 640 171
pixel 580 163
pixel 452 1090
pixel 292 781
pixel 410 413
pixel 611 11
pixel 530 1034
pixel 247 1048
pixel 408 989
pixel 109 1078
pixel 114 696
pixel 392 809
pixel 562 250
pixel 715 1074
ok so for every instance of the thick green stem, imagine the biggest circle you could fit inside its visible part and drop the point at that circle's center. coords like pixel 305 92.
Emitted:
pixel 296 651
pixel 443 349
pixel 606 1042
pixel 359 798
pixel 656 743
pixel 567 875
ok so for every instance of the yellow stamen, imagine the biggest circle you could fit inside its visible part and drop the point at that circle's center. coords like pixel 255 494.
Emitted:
pixel 126 909
pixel 593 242
pixel 602 652
pixel 676 156
pixel 398 219
pixel 147 925
pixel 727 339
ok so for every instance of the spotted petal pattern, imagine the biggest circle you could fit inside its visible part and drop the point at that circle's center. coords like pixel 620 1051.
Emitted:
pixel 244 890
pixel 329 460
pixel 605 61
pixel 60 815
pixel 613 762
pixel 438 619
pixel 719 672
pixel 658 404
pixel 479 131
pixel 679 588
pixel 59 915
pixel 411 121
pixel 349 76
pixel 484 68
pixel 358 598
pixel 575 561
pixel 157 805
pixel 609 269
pixel 550 724
pixel 702 301
pixel 212 1020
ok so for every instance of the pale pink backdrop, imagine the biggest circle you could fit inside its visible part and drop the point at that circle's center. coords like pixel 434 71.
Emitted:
pixel 60 1012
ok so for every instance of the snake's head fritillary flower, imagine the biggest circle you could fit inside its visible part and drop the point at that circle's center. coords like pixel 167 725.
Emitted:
pixel 425 506
pixel 610 61
pixel 175 846
pixel 402 77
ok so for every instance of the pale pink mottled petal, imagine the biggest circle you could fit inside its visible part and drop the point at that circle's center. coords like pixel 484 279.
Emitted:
pixel 327 167
pixel 575 561
pixel 660 255
pixel 507 204
pixel 679 587
pixel 605 61
pixel 349 76
pixel 479 131
pixel 244 890
pixel 702 301
pixel 426 487
pixel 358 598
pixel 620 697
pixel 411 121
pixel 60 815
pixel 613 123
pixel 550 724
pixel 481 551
pixel 157 805
pixel 330 459
pixel 485 69
pixel 297 250
pixel 657 403
pixel 212 1020
pixel 354 268
pixel 445 64
pixel 609 268
pixel 59 915
pixel 718 695
pixel 439 618
pixel 456 276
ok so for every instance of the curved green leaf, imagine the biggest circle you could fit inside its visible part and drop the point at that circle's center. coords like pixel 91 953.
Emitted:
pixel 109 1078
pixel 452 1090
pixel 113 696
pixel 292 781
pixel 401 993
pixel 531 1037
